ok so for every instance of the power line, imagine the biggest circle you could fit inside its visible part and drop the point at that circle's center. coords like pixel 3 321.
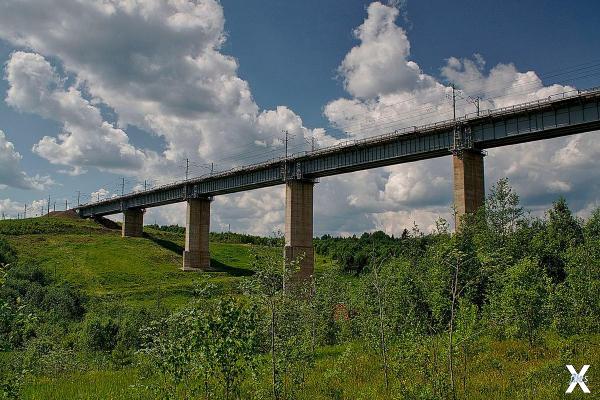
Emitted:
pixel 394 122
pixel 495 87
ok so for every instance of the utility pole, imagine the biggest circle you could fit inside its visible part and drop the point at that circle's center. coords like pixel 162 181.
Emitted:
pixel 78 195
pixel 475 101
pixel 122 186
pixel 187 168
pixel 48 205
pixel 286 144
pixel 285 160
pixel 453 102
pixel 212 167
pixel 145 185
pixel 66 205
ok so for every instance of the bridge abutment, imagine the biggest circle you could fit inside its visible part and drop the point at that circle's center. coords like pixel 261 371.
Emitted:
pixel 196 255
pixel 299 226
pixel 469 185
pixel 133 223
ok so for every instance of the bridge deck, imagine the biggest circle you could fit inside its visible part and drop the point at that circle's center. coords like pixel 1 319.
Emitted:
pixel 560 115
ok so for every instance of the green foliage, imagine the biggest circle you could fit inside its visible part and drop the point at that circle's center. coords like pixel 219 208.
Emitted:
pixel 16 325
pixel 562 231
pixel 592 227
pixel 576 301
pixel 354 254
pixel 8 255
pixel 403 306
pixel 226 237
pixel 48 225
pixel 521 305
pixel 30 285
pixel 32 305
pixel 211 343
pixel 99 332
pixel 10 386
pixel 494 310
pixel 331 308
pixel 289 309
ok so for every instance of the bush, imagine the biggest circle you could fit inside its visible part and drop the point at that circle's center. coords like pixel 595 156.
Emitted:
pixel 64 301
pixel 30 285
pixel 99 333
pixel 8 255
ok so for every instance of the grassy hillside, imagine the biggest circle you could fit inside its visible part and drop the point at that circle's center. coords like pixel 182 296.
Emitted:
pixel 136 271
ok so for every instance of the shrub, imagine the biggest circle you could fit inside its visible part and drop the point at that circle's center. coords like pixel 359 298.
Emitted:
pixel 7 253
pixel 99 333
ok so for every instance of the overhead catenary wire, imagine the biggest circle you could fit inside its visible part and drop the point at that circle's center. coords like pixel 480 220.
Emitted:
pixel 421 116
pixel 496 87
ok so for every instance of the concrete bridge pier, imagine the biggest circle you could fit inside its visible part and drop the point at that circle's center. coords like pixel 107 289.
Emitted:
pixel 299 225
pixel 196 256
pixel 133 223
pixel 469 186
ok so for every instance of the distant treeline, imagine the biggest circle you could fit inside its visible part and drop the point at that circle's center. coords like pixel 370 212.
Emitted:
pixel 354 253
pixel 227 237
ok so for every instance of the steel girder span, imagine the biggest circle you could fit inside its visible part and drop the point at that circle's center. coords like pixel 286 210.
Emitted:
pixel 560 115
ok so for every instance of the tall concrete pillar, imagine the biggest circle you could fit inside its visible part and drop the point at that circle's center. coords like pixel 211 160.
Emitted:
pixel 133 223
pixel 469 187
pixel 299 225
pixel 196 255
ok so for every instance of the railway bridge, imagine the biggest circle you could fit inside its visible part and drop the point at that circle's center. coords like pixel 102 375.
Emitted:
pixel 464 139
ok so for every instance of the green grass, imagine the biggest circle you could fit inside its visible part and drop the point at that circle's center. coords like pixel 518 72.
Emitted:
pixel 133 271
pixel 136 271
pixel 49 225
pixel 505 369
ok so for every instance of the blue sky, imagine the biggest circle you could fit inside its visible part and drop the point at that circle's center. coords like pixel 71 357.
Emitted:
pixel 289 51
pixel 264 66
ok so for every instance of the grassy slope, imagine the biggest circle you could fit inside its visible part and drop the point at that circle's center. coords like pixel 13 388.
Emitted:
pixel 130 270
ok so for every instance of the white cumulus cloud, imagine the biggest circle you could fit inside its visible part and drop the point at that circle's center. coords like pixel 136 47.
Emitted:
pixel 158 65
pixel 11 174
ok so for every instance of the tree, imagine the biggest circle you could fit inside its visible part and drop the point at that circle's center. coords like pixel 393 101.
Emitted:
pixel 172 346
pixel 205 341
pixel 562 232
pixel 274 287
pixel 495 230
pixel 520 306
pixel 577 299
pixel 232 342
pixel 563 226
pixel 592 227
pixel 466 331
pixel 379 287
pixel 502 209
